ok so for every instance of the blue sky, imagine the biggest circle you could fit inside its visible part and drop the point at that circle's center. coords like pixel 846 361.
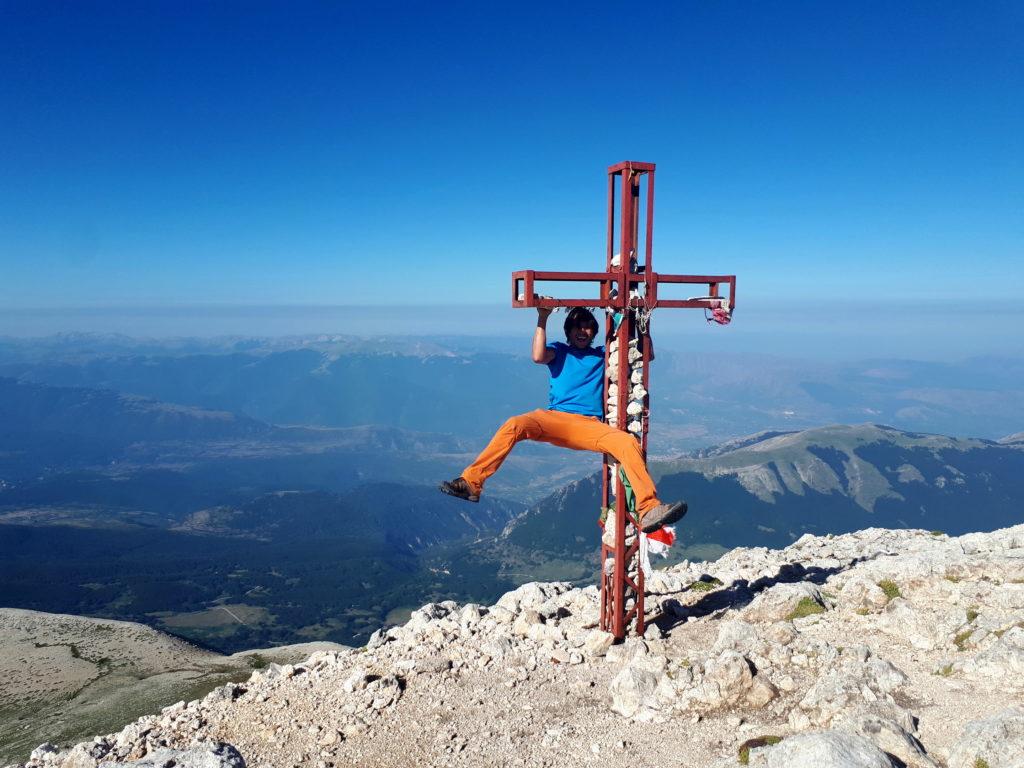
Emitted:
pixel 416 153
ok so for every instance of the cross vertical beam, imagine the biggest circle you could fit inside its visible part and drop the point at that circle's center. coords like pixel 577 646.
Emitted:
pixel 628 292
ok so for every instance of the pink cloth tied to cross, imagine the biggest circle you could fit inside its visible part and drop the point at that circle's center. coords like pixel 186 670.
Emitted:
pixel 719 312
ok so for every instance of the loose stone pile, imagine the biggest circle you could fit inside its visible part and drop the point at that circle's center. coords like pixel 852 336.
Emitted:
pixel 877 648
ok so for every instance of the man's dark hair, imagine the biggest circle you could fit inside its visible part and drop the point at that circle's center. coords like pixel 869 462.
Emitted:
pixel 580 316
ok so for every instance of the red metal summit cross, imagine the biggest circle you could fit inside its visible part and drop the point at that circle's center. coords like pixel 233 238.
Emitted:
pixel 628 292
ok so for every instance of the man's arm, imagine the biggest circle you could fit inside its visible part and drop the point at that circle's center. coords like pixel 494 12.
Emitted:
pixel 541 354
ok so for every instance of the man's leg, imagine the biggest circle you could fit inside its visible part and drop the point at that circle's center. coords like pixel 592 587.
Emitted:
pixel 625 449
pixel 526 426
pixel 583 433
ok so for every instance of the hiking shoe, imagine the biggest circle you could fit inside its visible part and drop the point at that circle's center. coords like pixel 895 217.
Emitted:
pixel 663 514
pixel 460 489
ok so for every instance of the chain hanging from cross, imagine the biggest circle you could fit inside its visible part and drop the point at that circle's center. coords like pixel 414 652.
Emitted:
pixel 629 293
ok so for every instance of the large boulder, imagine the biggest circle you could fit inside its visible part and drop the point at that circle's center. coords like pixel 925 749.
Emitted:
pixel 827 749
pixel 926 630
pixel 890 728
pixel 997 740
pixel 635 689
pixel 422 617
pixel 860 593
pixel 534 595
pixel 848 686
pixel 737 635
pixel 1003 659
pixel 780 602
pixel 728 679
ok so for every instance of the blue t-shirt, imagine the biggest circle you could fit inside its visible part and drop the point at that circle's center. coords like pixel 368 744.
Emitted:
pixel 577 380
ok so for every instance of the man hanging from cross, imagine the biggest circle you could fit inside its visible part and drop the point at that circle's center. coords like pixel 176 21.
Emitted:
pixel 574 419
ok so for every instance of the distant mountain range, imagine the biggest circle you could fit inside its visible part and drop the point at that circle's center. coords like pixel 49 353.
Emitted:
pixel 466 386
pixel 768 489
pixel 466 396
pixel 113 417
pixel 72 444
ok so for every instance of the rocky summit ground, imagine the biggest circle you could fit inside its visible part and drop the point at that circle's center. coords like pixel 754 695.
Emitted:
pixel 68 677
pixel 876 648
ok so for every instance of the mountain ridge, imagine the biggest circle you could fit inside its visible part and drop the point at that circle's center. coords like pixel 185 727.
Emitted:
pixel 771 487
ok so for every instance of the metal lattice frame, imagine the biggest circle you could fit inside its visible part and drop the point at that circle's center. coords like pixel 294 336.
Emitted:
pixel 628 290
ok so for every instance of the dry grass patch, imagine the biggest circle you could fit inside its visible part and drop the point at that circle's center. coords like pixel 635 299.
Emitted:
pixel 807 606
pixel 891 588
pixel 705 584
pixel 760 741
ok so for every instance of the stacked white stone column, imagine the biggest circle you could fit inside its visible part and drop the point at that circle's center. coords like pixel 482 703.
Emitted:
pixel 635 413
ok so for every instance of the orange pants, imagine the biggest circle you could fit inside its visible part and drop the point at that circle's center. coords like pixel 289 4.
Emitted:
pixel 567 430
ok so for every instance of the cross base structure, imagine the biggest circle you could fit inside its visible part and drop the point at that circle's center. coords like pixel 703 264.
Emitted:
pixel 628 291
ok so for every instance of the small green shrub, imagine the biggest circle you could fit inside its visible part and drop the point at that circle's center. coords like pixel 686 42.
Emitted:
pixel 952 578
pixel 705 585
pixel 807 606
pixel 981 763
pixel 937 533
pixel 760 741
pixel 862 611
pixel 960 641
pixel 891 588
pixel 945 671
pixel 256 661
pixel 972 614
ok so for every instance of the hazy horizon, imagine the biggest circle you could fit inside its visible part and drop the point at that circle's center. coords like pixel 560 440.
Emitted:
pixel 927 330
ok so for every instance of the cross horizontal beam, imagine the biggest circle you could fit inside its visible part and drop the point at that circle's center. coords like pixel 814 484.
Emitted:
pixel 524 294
pixel 630 165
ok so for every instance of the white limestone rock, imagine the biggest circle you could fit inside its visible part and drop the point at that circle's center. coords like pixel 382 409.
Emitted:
pixel 998 740
pixel 737 635
pixel 218 755
pixel 597 643
pixel 860 593
pixel 525 621
pixel 634 689
pixel 923 629
pixel 1002 660
pixel 532 595
pixel 847 686
pixel 890 729
pixel 725 680
pixel 827 749
pixel 778 602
